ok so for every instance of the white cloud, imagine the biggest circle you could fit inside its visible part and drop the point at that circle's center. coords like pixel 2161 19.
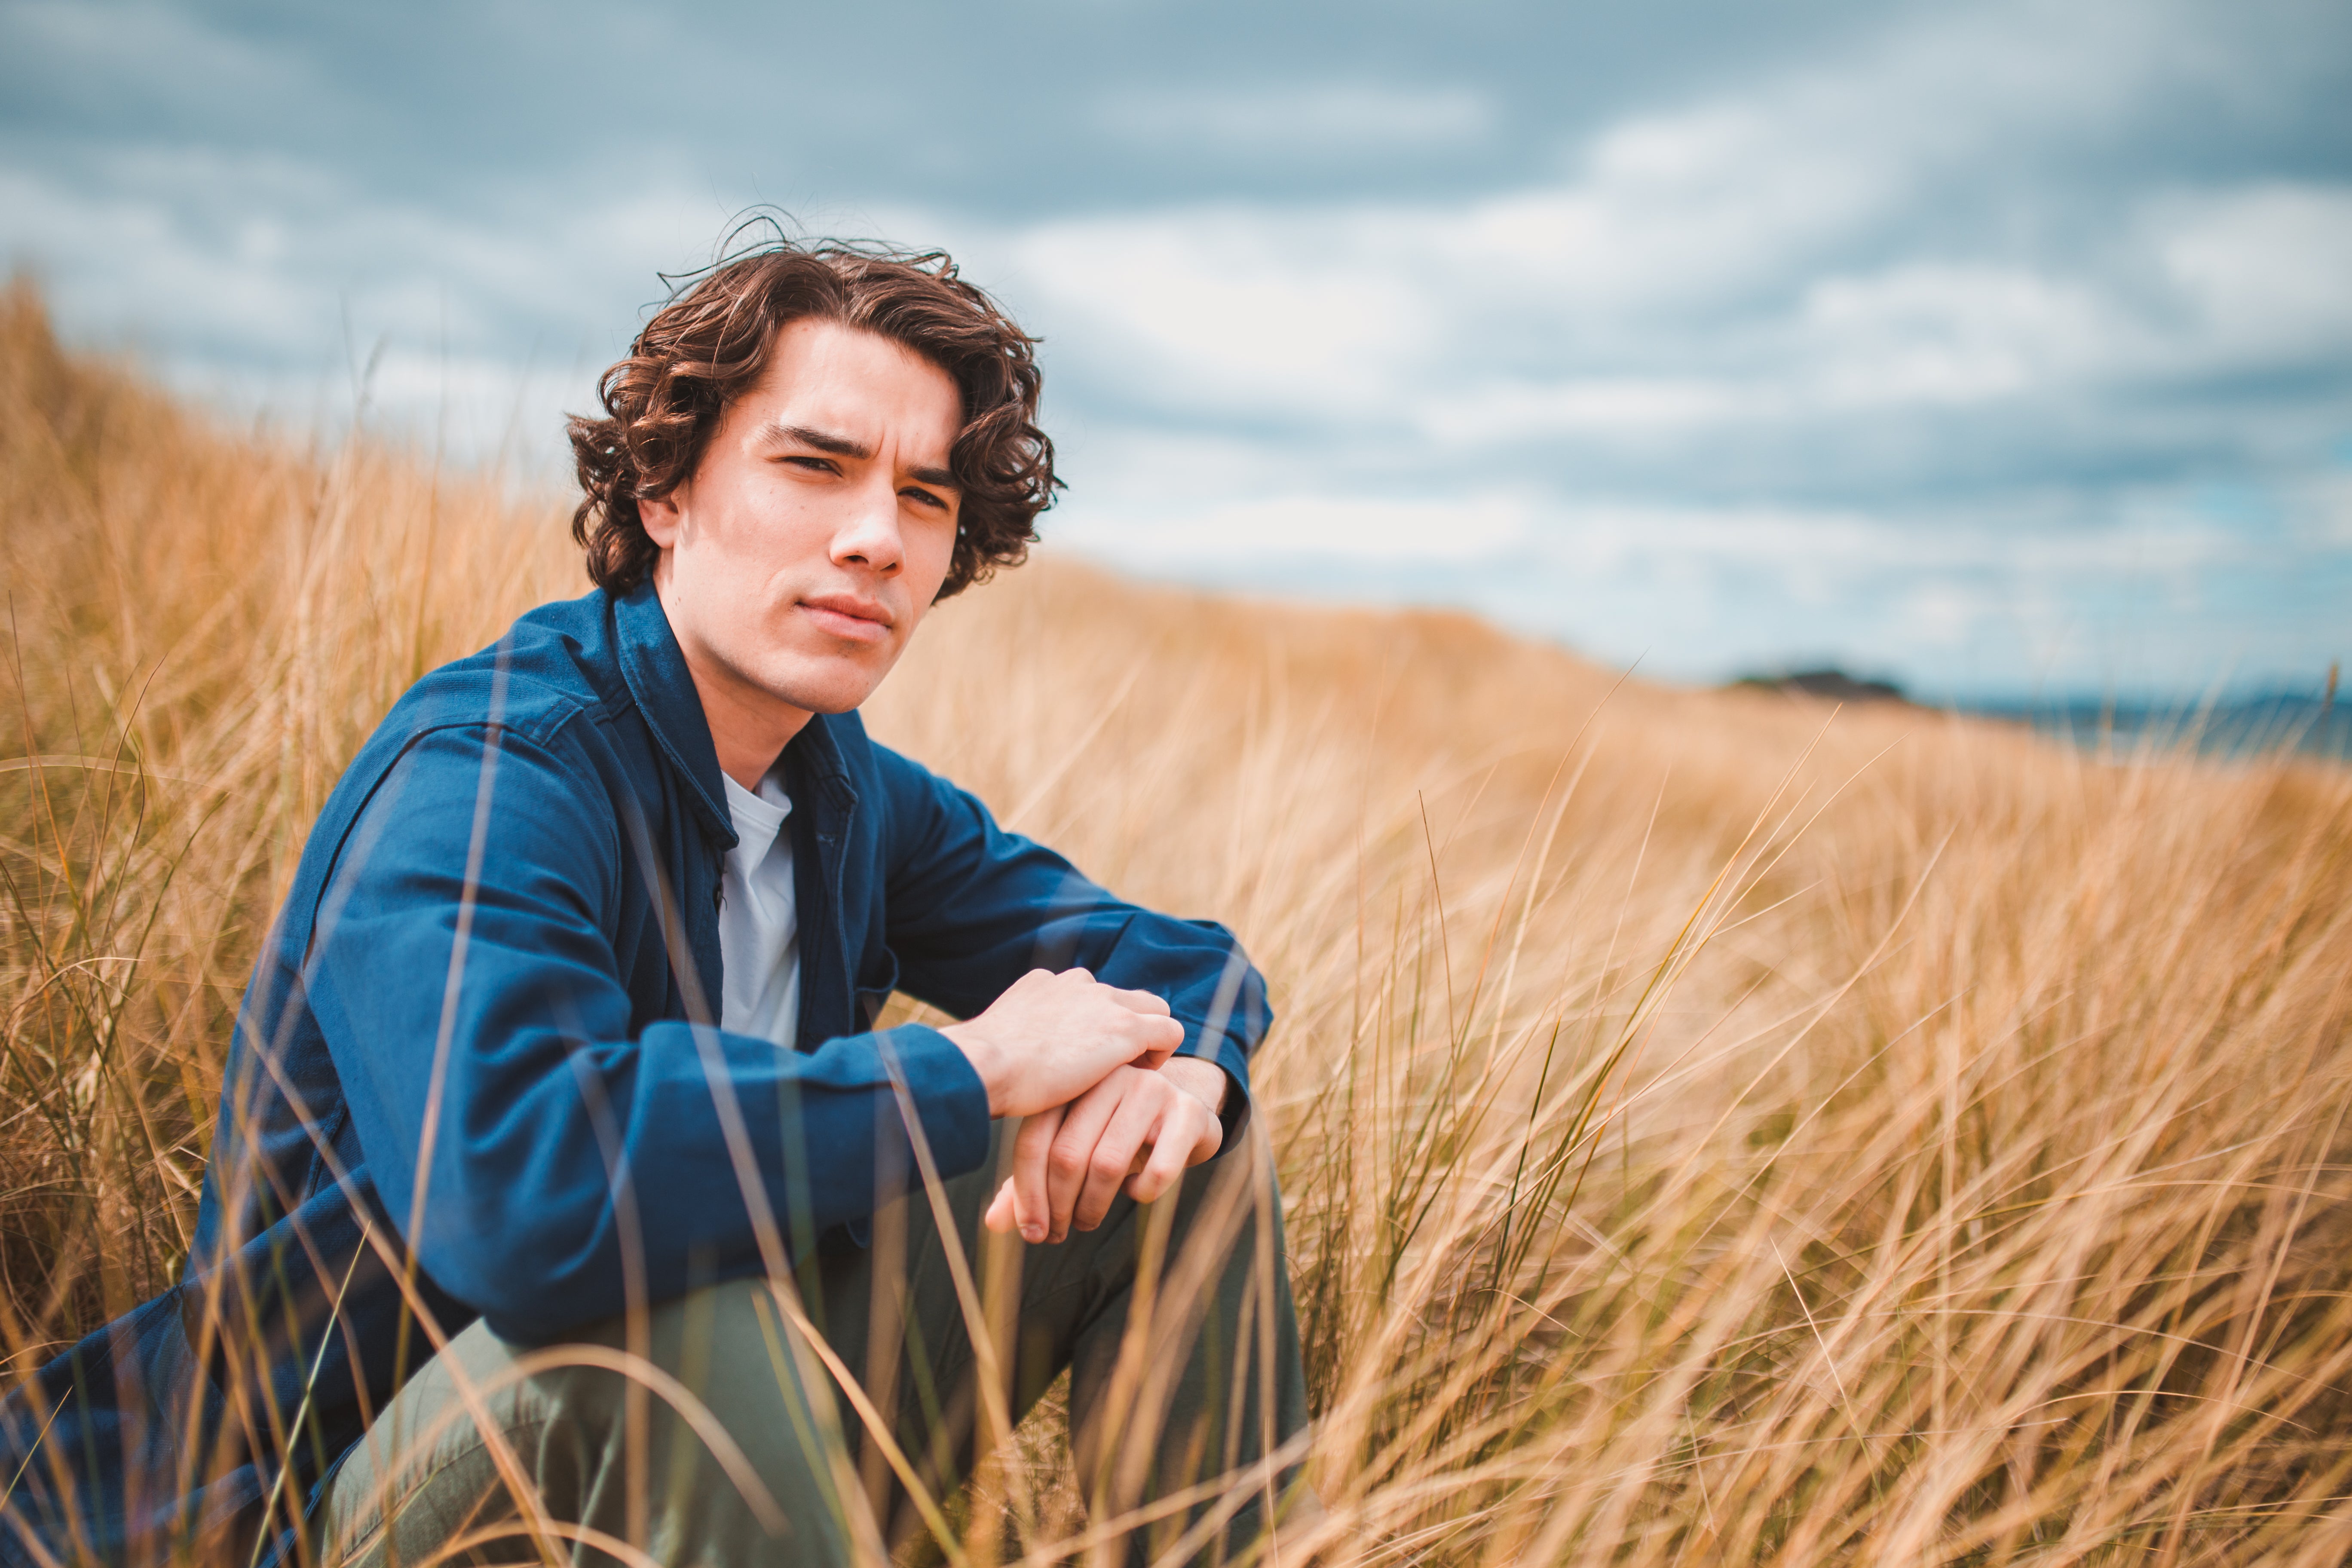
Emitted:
pixel 2321 511
pixel 1665 214
pixel 2266 271
pixel 475 323
pixel 1937 332
pixel 1357 529
pixel 1622 407
pixel 1229 310
pixel 1320 120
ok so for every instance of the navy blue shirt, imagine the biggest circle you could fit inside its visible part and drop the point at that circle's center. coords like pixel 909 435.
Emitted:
pixel 474 1073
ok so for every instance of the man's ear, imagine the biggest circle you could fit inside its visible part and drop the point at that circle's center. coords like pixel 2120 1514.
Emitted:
pixel 660 516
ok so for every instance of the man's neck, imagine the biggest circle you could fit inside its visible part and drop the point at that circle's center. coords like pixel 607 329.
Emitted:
pixel 748 734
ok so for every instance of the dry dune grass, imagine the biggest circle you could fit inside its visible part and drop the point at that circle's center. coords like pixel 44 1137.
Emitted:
pixel 1712 1128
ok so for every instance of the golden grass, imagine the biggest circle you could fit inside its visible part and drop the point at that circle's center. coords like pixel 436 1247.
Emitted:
pixel 1713 1129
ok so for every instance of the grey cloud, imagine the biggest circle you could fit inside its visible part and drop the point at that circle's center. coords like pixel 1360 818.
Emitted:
pixel 1927 335
pixel 988 109
pixel 1738 292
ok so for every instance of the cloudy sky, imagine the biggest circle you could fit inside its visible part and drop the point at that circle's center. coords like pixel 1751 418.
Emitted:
pixel 1999 347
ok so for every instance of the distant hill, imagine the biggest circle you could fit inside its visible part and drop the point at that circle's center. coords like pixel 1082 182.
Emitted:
pixel 1833 684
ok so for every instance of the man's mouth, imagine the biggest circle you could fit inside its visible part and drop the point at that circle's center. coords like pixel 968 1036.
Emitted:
pixel 847 617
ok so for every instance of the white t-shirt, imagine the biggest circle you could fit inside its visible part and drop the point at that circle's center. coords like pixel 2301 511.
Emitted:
pixel 758 924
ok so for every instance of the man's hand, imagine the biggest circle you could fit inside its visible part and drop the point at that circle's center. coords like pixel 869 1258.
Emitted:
pixel 1050 1038
pixel 1137 1129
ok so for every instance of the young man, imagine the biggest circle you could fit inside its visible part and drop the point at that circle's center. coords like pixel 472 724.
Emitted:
pixel 561 1174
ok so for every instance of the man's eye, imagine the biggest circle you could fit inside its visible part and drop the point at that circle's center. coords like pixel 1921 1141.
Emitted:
pixel 926 497
pixel 815 465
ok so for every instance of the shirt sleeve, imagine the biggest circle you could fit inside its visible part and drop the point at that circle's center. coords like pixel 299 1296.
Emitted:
pixel 972 908
pixel 536 1149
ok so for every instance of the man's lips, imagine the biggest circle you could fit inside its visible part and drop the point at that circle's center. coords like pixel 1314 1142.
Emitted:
pixel 847 616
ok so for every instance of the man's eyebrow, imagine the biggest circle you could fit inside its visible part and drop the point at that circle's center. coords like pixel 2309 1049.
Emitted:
pixel 834 445
pixel 825 441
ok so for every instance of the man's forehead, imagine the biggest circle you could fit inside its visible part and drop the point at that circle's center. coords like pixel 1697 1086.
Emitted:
pixel 846 415
pixel 813 351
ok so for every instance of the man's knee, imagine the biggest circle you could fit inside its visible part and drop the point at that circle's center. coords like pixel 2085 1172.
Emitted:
pixel 690 1432
pixel 722 1365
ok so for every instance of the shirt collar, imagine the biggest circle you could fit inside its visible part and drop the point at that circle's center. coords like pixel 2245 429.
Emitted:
pixel 654 667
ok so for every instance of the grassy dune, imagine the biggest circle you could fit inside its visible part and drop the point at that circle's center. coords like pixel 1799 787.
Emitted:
pixel 1713 1129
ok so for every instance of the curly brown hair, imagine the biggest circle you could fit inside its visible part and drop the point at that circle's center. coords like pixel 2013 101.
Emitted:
pixel 712 341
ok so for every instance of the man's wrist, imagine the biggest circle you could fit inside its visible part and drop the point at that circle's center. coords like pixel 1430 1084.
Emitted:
pixel 981 1053
pixel 1201 1078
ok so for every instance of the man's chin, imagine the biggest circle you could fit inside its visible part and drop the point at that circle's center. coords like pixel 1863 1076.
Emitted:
pixel 826 690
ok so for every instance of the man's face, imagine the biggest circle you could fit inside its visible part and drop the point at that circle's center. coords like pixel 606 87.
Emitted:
pixel 820 522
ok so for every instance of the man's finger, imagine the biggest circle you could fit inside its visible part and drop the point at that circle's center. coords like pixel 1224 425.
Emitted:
pixel 1161 1038
pixel 1000 1216
pixel 1116 1153
pixel 1032 1204
pixel 1140 1001
pixel 1170 1156
pixel 1071 1160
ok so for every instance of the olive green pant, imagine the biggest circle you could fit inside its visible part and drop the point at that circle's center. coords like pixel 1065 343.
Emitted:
pixel 709 1429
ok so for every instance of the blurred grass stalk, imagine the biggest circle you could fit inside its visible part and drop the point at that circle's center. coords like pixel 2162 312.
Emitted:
pixel 1711 1130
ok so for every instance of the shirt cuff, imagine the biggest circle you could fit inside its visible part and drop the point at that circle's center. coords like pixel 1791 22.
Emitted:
pixel 950 1102
pixel 1236 1112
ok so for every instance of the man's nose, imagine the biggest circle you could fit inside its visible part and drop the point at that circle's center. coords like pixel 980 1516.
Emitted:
pixel 869 535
